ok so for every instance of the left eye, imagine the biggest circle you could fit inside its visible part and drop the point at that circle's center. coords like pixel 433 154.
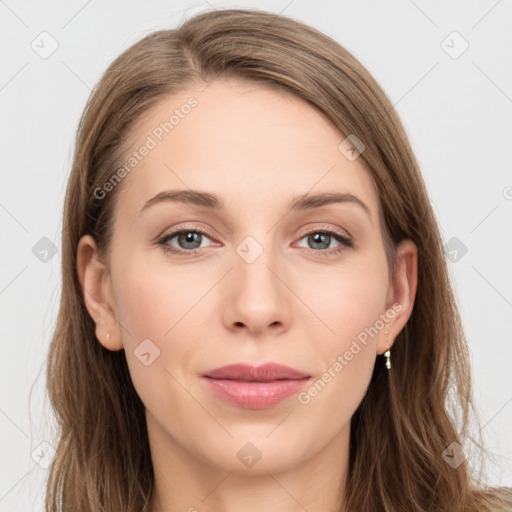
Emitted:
pixel 323 239
pixel 188 239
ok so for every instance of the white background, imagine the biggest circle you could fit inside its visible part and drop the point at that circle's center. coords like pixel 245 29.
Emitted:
pixel 456 111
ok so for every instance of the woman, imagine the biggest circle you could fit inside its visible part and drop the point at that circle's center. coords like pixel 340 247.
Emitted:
pixel 255 312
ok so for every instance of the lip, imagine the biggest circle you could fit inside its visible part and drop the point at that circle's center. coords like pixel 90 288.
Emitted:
pixel 255 387
pixel 262 373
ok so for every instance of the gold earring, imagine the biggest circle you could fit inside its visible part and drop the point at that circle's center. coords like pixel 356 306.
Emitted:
pixel 387 354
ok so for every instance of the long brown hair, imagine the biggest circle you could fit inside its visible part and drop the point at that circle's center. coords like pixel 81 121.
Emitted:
pixel 408 417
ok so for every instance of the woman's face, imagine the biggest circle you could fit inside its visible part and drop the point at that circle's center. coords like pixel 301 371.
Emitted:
pixel 250 279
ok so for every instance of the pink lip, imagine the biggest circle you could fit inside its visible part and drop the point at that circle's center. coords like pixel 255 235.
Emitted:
pixel 255 387
pixel 263 373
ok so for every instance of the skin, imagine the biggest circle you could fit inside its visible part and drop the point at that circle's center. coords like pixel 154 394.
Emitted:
pixel 256 148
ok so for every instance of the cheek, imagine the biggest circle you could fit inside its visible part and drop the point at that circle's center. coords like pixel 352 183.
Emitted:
pixel 158 338
pixel 352 309
pixel 349 301
pixel 152 300
pixel 350 304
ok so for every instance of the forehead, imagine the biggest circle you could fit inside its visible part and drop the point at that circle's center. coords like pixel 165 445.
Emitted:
pixel 251 144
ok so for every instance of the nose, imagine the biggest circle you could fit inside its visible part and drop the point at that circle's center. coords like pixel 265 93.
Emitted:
pixel 257 299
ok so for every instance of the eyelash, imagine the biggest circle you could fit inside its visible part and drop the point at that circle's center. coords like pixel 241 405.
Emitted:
pixel 345 242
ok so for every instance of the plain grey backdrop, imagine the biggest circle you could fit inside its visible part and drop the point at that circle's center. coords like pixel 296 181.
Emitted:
pixel 447 66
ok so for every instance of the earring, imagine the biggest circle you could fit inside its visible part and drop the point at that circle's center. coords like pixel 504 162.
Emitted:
pixel 108 337
pixel 387 354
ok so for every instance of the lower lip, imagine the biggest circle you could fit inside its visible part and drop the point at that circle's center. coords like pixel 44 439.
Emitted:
pixel 254 395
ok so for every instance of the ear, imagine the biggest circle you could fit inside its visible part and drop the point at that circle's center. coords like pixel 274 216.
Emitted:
pixel 401 293
pixel 98 295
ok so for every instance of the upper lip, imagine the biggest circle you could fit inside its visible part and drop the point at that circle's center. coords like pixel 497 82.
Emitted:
pixel 262 373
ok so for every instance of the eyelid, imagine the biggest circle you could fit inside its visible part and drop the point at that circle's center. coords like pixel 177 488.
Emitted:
pixel 332 229
pixel 187 227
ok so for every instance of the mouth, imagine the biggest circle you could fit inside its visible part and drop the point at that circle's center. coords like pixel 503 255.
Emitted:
pixel 263 373
pixel 255 387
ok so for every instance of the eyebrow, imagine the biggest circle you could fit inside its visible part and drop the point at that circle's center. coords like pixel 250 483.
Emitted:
pixel 212 202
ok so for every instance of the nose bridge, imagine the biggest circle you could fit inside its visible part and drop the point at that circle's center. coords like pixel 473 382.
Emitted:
pixel 258 298
pixel 254 259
